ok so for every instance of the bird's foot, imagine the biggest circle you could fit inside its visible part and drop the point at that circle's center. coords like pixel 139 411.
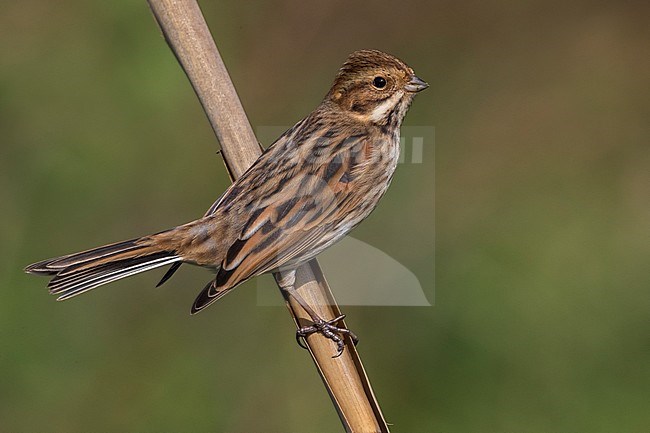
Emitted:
pixel 328 329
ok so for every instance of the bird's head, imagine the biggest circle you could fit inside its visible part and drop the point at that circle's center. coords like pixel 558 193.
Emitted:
pixel 375 87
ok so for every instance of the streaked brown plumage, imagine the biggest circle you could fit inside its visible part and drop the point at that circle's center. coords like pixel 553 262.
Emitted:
pixel 305 192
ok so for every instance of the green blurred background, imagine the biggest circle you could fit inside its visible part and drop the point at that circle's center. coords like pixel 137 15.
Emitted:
pixel 542 210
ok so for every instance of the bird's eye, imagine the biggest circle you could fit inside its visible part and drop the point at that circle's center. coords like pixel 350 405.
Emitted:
pixel 379 82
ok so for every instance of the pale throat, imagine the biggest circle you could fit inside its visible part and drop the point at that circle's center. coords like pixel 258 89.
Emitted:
pixel 381 111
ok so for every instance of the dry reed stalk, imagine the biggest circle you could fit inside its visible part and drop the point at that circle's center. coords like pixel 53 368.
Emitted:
pixel 187 34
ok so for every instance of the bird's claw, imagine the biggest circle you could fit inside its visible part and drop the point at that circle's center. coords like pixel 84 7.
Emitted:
pixel 328 329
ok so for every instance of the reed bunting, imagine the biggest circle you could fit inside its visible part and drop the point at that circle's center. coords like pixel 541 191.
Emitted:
pixel 311 187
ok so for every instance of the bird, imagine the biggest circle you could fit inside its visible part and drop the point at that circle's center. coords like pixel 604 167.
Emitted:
pixel 305 192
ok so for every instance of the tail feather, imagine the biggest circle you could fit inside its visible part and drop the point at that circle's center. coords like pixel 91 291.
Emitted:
pixel 75 274
pixel 72 277
pixel 57 264
pixel 107 274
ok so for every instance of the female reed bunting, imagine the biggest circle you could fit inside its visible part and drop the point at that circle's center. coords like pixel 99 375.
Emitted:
pixel 317 182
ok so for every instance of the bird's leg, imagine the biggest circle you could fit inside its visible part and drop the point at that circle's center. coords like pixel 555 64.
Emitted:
pixel 327 328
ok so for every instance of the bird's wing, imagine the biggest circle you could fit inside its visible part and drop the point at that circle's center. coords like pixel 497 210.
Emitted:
pixel 286 225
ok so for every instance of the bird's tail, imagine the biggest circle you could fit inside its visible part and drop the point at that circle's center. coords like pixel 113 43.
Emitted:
pixel 77 273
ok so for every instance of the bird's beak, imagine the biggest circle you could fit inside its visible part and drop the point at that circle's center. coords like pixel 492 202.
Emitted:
pixel 415 84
